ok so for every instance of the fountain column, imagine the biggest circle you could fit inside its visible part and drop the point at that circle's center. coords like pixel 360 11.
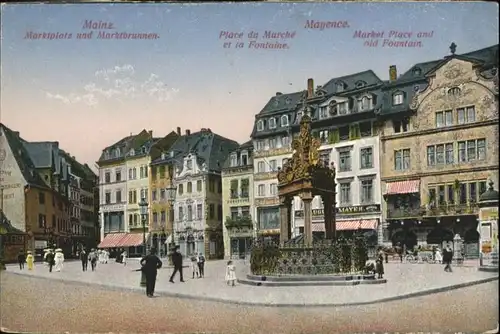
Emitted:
pixel 284 220
pixel 308 236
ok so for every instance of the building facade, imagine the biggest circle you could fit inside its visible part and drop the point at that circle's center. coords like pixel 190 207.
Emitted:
pixel 197 159
pixel 162 193
pixel 34 192
pixel 344 113
pixel 441 147
pixel 271 137
pixel 237 202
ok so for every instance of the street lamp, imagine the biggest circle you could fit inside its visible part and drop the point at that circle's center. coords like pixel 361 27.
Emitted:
pixel 171 192
pixel 144 216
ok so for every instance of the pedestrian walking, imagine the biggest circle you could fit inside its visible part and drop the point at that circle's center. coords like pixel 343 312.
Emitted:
pixel 30 260
pixel 177 261
pixel 93 259
pixel 106 256
pixel 149 266
pixel 379 264
pixel 50 258
pixel 124 258
pixel 194 266
pixel 21 259
pixel 201 265
pixel 447 257
pixel 230 273
pixel 58 259
pixel 437 256
pixel 84 257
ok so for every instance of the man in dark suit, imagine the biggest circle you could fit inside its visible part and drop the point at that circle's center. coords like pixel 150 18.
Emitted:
pixel 21 258
pixel 50 259
pixel 447 257
pixel 84 257
pixel 150 265
pixel 177 261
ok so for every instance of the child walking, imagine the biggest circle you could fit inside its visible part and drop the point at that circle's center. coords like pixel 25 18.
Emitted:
pixel 230 273
pixel 30 260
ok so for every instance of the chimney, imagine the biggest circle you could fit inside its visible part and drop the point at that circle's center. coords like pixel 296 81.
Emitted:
pixel 150 133
pixel 188 132
pixel 310 88
pixel 393 73
pixel 179 130
pixel 279 93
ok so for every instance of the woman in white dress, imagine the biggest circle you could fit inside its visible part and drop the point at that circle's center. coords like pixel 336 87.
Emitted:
pixel 124 258
pixel 106 255
pixel 438 256
pixel 100 255
pixel 58 259
pixel 230 273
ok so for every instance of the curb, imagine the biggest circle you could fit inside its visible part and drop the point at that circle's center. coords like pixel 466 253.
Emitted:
pixel 493 331
pixel 244 303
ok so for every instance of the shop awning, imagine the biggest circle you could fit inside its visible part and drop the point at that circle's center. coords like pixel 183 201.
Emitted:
pixel 132 240
pixel 348 225
pixel 403 187
pixel 111 240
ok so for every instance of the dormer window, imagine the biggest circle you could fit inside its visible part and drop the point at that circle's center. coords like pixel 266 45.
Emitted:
pixel 360 84
pixel 244 158
pixel 284 120
pixel 365 103
pixel 272 123
pixel 288 100
pixel 417 71
pixel 144 150
pixel 106 155
pixel 397 98
pixel 332 108
pixel 117 153
pixel 163 156
pixel 339 87
pixel 234 160
pixel 260 125
pixel 455 91
pixel 189 164
pixel 132 152
pixel 276 102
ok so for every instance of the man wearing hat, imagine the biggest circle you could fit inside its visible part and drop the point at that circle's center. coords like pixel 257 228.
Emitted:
pixel 49 257
pixel 177 261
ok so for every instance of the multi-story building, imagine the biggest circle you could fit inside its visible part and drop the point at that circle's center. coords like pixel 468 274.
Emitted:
pixel 197 159
pixel 113 191
pixel 344 120
pixel 161 186
pixel 81 194
pixel 237 202
pixel 440 146
pixel 34 179
pixel 271 136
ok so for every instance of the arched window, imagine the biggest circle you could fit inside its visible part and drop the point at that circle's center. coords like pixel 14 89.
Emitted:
pixel 260 125
pixel 455 91
pixel 272 123
pixel 284 120
pixel 132 152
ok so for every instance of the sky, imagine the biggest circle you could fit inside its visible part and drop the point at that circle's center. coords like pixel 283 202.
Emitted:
pixel 89 93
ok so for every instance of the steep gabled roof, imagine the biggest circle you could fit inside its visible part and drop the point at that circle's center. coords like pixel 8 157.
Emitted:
pixel 23 159
pixel 368 77
pixel 210 148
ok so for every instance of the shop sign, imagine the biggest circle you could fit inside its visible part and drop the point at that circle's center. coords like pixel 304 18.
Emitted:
pixel 344 210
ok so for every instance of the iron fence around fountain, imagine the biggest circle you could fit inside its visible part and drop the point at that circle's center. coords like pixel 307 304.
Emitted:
pixel 323 257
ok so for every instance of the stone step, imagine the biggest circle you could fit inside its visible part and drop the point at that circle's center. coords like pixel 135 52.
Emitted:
pixel 310 283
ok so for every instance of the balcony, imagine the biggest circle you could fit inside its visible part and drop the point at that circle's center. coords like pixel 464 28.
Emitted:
pixel 452 209
pixel 405 213
pixel 239 221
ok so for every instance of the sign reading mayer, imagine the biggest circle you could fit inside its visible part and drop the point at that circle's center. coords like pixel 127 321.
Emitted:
pixel 344 210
